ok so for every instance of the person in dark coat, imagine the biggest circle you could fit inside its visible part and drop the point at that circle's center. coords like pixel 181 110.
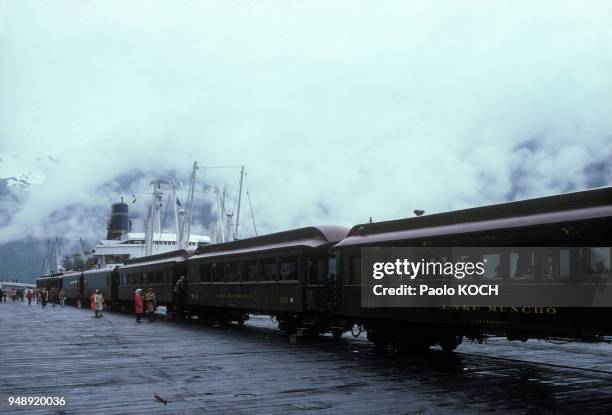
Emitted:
pixel 43 298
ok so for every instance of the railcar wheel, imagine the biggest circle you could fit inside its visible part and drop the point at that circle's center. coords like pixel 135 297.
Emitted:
pixel 379 339
pixel 337 333
pixel 449 343
pixel 290 326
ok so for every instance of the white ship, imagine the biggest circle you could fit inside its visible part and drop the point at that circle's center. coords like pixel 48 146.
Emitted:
pixel 121 244
pixel 110 252
pixel 167 228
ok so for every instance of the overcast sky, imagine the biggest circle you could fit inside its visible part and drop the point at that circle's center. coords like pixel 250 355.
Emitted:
pixel 340 110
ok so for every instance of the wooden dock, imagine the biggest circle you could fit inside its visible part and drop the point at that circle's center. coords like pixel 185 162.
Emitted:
pixel 112 365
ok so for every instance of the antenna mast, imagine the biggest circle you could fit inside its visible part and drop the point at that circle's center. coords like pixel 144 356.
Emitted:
pixel 153 219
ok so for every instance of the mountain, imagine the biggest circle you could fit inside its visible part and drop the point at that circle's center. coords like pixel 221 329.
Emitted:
pixel 21 260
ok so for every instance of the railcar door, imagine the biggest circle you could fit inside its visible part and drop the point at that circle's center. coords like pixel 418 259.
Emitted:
pixel 81 295
pixel 320 281
pixel 114 286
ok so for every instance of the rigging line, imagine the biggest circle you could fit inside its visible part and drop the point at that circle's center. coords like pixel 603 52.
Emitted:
pixel 220 167
pixel 235 206
pixel 246 187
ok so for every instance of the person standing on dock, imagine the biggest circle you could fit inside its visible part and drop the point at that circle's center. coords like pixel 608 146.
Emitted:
pixel 151 303
pixel 43 298
pixel 99 302
pixel 62 298
pixel 29 297
pixel 138 304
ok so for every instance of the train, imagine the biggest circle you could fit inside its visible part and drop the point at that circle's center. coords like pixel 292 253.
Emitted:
pixel 309 279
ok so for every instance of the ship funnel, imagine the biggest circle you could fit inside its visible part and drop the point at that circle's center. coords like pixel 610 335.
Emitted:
pixel 119 222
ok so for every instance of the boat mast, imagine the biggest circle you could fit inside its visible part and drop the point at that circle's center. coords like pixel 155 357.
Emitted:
pixel 58 256
pixel 177 221
pixel 189 207
pixel 46 268
pixel 153 219
pixel 239 202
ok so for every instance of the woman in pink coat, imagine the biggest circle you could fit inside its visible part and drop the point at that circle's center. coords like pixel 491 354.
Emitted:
pixel 138 304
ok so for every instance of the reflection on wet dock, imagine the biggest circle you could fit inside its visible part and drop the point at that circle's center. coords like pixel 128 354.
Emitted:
pixel 114 365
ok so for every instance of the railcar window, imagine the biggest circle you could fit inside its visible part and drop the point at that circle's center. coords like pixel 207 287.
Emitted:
pixel 356 270
pixel 522 264
pixel 268 270
pixel 288 269
pixel 564 262
pixel 316 270
pixel 600 260
pixel 493 266
pixel 250 271
pixel 205 273
pixel 216 272
pixel 194 274
pixel 331 267
pixel 232 271
pixel 547 264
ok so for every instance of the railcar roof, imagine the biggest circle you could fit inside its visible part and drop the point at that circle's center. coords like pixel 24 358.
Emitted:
pixel 69 274
pixel 576 206
pixel 98 271
pixel 172 256
pixel 311 237
pixel 58 275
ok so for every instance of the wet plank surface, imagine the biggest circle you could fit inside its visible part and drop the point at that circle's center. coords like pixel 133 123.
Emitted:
pixel 113 365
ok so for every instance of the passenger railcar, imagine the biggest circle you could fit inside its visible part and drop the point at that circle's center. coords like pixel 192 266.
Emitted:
pixel 160 272
pixel 106 280
pixel 578 227
pixel 288 275
pixel 53 284
pixel 72 285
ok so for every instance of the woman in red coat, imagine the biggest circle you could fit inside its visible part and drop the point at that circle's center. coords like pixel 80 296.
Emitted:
pixel 138 304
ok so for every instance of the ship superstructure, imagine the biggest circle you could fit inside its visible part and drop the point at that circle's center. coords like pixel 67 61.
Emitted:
pixel 132 245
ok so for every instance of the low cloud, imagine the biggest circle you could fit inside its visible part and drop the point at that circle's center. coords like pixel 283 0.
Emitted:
pixel 339 113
